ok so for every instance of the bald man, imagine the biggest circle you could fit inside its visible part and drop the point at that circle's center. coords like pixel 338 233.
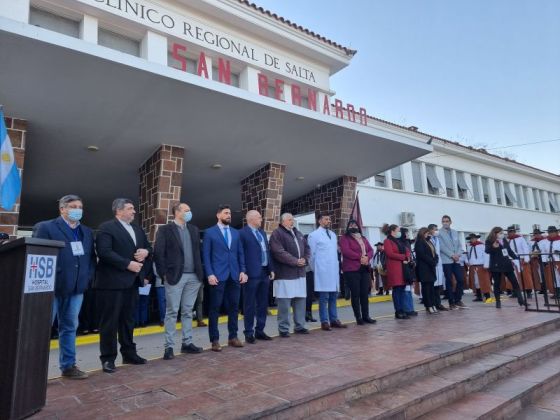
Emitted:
pixel 260 272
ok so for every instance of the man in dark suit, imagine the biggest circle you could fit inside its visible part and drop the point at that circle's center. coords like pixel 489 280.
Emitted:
pixel 224 263
pixel 177 258
pixel 123 250
pixel 75 268
pixel 260 271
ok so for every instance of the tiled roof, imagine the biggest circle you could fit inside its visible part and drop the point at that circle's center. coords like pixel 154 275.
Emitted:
pixel 268 13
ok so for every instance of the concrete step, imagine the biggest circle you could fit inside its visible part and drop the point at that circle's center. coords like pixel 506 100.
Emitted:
pixel 505 399
pixel 414 397
pixel 458 371
pixel 546 407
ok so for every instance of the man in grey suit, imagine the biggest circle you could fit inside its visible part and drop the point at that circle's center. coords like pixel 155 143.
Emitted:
pixel 178 263
pixel 450 248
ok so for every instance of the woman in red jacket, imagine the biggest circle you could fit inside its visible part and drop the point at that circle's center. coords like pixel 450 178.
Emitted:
pixel 397 257
pixel 356 255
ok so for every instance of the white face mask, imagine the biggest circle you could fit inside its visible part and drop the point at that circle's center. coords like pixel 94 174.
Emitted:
pixel 397 234
pixel 501 236
pixel 436 233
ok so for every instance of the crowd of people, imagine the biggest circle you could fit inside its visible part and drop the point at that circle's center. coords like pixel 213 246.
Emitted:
pixel 231 263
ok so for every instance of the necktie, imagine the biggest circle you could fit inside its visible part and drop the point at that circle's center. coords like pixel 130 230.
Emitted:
pixel 328 233
pixel 226 236
pixel 261 240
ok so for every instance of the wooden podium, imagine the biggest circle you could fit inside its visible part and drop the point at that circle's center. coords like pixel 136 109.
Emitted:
pixel 27 274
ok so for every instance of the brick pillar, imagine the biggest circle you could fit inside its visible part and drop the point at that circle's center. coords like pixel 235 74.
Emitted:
pixel 161 179
pixel 335 198
pixel 17 130
pixel 262 191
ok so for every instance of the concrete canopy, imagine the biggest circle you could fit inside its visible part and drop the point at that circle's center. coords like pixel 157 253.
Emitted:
pixel 75 94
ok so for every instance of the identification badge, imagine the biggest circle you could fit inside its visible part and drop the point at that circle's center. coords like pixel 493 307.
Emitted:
pixel 77 248
pixel 505 252
pixel 408 288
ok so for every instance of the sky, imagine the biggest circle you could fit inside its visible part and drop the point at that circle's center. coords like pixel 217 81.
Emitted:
pixel 485 73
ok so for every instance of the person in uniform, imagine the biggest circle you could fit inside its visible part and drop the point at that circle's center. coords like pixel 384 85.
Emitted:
pixel 521 265
pixel 535 262
pixel 550 249
pixel 479 277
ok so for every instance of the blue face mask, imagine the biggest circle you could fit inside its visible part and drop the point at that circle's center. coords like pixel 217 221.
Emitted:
pixel 187 216
pixel 398 234
pixel 75 214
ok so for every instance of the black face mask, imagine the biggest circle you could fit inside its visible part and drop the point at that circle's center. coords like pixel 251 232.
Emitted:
pixel 353 230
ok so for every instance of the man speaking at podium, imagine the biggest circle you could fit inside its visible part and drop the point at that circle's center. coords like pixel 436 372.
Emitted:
pixel 75 269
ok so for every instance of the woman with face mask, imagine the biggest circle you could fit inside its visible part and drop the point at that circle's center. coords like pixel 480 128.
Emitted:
pixel 356 255
pixel 398 258
pixel 497 246
pixel 426 263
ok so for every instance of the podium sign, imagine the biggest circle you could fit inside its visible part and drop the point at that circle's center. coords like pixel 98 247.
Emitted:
pixel 27 276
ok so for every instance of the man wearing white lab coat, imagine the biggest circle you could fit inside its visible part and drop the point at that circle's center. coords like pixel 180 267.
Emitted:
pixel 324 264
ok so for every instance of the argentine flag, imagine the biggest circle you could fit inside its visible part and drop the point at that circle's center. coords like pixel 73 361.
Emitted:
pixel 10 183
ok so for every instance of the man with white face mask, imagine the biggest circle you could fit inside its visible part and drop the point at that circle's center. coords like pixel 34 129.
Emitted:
pixel 75 269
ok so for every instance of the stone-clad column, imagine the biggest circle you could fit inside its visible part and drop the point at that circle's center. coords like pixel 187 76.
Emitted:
pixel 262 191
pixel 17 130
pixel 335 198
pixel 161 180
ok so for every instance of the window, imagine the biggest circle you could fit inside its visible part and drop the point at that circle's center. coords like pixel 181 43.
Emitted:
pixel 499 192
pixel 216 77
pixel 485 189
pixel 191 64
pixel 396 178
pixel 50 21
pixel 510 198
pixel 476 187
pixel 536 199
pixel 449 189
pixel 519 195
pixel 433 181
pixel 462 186
pixel 380 180
pixel 417 177
pixel 553 203
pixel 118 42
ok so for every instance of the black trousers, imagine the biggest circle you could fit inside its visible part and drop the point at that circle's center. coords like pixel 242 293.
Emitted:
pixel 117 309
pixel 89 313
pixel 428 294
pixel 437 296
pixel 358 282
pixel 310 283
pixel 497 278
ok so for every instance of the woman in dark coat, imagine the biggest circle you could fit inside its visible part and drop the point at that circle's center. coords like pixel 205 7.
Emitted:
pixel 497 246
pixel 426 263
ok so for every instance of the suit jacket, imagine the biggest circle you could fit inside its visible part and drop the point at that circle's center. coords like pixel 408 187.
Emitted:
pixel 426 261
pixel 253 252
pixel 73 274
pixel 115 249
pixel 168 252
pixel 219 260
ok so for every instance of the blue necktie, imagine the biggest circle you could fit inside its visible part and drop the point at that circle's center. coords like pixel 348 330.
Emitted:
pixel 226 236
pixel 263 252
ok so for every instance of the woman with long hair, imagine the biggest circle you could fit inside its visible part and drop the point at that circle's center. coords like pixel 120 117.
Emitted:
pixel 497 246
pixel 426 263
pixel 398 273
pixel 356 255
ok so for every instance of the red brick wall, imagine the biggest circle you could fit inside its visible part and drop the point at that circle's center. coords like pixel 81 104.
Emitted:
pixel 17 130
pixel 262 191
pixel 161 180
pixel 335 198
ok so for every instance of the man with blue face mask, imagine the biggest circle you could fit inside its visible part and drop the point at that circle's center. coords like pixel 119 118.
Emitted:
pixel 178 263
pixel 75 270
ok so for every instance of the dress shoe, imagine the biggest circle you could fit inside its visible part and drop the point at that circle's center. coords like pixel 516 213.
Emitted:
pixel 325 326
pixel 412 313
pixel 74 373
pixel 168 354
pixel 452 307
pixel 430 311
pixel 434 310
pixel 301 331
pixel 441 308
pixel 108 367
pixel 309 317
pixel 161 323
pixel 234 342
pixel 201 324
pixel 134 360
pixel 250 339
pixel 284 334
pixel 262 336
pixel 498 304
pixel 461 305
pixel 401 315
pixel 360 321
pixel 216 346
pixel 369 320
pixel 338 324
pixel 190 349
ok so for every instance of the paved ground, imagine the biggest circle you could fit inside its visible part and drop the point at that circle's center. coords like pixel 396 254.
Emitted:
pixel 272 374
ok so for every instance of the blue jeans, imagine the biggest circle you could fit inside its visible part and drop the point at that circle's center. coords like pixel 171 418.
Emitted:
pixel 327 306
pixel 450 270
pixel 141 314
pixel 398 294
pixel 160 293
pixel 67 310
pixel 408 303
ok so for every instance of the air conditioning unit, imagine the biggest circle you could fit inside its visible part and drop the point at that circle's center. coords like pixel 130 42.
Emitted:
pixel 408 219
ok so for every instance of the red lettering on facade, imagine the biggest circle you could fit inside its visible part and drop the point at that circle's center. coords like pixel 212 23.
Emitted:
pixel 363 116
pixel 312 99
pixel 175 54
pixel 351 112
pixel 263 84
pixel 326 106
pixel 296 95
pixel 278 89
pixel 338 108
pixel 224 71
pixel 202 68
